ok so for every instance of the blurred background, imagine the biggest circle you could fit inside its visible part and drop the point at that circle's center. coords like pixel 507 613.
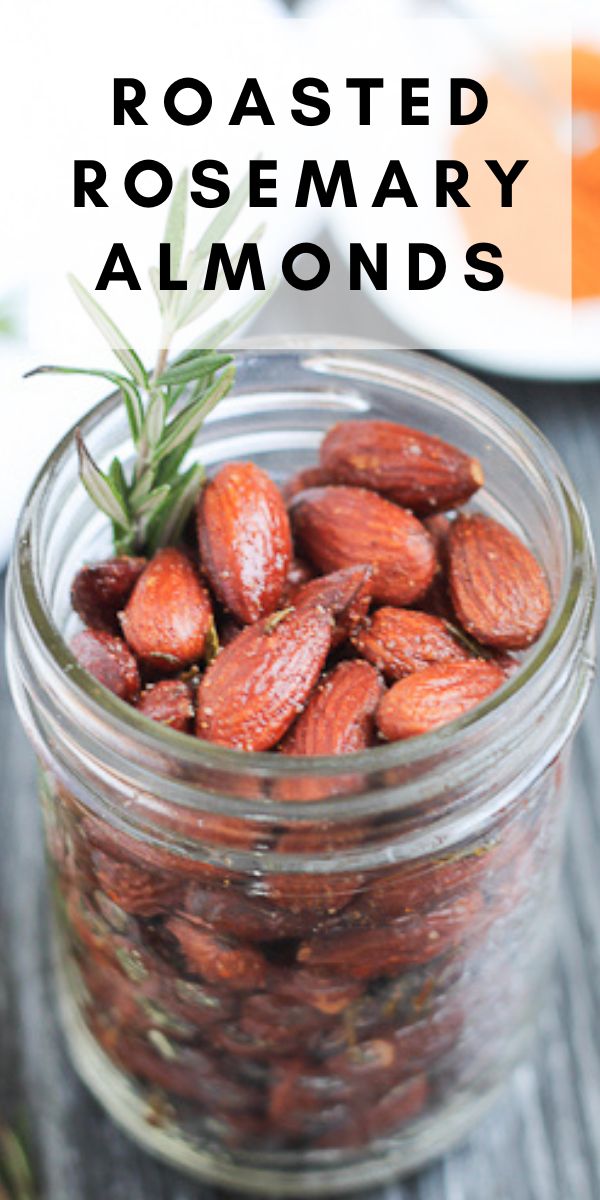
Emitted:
pixel 542 324
pixel 543 1140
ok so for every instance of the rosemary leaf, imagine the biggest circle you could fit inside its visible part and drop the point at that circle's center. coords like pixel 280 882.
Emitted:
pixel 149 502
pixel 168 529
pixel 153 501
pixel 116 340
pixel 200 299
pixel 155 420
pixel 190 420
pixel 221 332
pixel 222 222
pixel 128 389
pixel 154 277
pixel 196 368
pixel 118 481
pixel 99 487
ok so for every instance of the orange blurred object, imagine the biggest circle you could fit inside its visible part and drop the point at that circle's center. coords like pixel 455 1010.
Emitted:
pixel 586 180
pixel 534 234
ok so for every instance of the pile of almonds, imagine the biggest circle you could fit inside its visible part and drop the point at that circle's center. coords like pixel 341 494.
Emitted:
pixel 352 606
pixel 294 1009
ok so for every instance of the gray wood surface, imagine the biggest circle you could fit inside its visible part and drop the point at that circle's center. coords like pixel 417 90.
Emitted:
pixel 542 1141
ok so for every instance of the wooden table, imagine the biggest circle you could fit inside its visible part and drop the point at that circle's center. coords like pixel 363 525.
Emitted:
pixel 542 1141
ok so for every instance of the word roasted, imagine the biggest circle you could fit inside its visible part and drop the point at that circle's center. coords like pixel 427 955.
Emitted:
pixel 149 183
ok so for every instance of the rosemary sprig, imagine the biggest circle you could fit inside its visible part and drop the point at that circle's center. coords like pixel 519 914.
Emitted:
pixel 149 502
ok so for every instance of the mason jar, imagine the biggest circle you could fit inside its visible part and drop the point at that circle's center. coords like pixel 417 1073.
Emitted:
pixel 303 976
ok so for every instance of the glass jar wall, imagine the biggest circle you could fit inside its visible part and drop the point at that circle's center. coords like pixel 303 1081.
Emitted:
pixel 293 976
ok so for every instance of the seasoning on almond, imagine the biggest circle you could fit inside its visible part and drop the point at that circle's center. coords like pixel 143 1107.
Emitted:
pixel 347 594
pixel 168 616
pixel 109 660
pixel 339 717
pixel 499 591
pixel 259 683
pixel 339 527
pixel 170 703
pixel 433 697
pixel 244 540
pixel 401 641
pixel 411 467
pixel 100 590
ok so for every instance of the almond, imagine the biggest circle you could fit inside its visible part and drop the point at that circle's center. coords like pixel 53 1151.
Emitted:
pixel 435 696
pixel 395 1108
pixel 170 703
pixel 328 995
pixel 244 540
pixel 137 891
pixel 400 641
pixel 308 478
pixel 499 591
pixel 340 527
pixel 338 719
pixel 109 660
pixel 168 616
pixel 339 716
pixel 312 896
pixel 100 590
pixel 217 959
pixel 259 682
pixel 415 887
pixel 231 912
pixel 347 594
pixel 412 468
pixel 299 573
pixel 270 1027
pixel 306 892
pixel 407 942
pixel 439 526
pixel 437 597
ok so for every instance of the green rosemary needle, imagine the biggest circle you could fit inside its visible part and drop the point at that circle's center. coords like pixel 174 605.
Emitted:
pixel 149 500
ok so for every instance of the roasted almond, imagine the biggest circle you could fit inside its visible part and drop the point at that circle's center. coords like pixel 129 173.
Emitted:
pixel 406 942
pixel 339 717
pixel 244 540
pixel 100 590
pixel 169 614
pixel 347 594
pixel 499 591
pixel 109 660
pixel 259 682
pixel 395 1108
pixel 308 478
pixel 307 892
pixel 299 573
pixel 340 527
pixel 400 641
pixel 137 891
pixel 170 703
pixel 415 887
pixel 412 468
pixel 216 959
pixel 435 696
pixel 230 912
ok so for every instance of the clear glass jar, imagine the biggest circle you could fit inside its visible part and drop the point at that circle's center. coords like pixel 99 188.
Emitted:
pixel 289 997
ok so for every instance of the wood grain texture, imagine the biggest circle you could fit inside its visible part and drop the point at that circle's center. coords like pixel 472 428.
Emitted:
pixel 542 1141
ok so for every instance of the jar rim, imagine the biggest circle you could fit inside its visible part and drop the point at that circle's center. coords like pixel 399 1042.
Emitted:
pixel 569 622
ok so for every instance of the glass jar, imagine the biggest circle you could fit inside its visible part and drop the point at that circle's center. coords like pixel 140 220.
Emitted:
pixel 303 976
